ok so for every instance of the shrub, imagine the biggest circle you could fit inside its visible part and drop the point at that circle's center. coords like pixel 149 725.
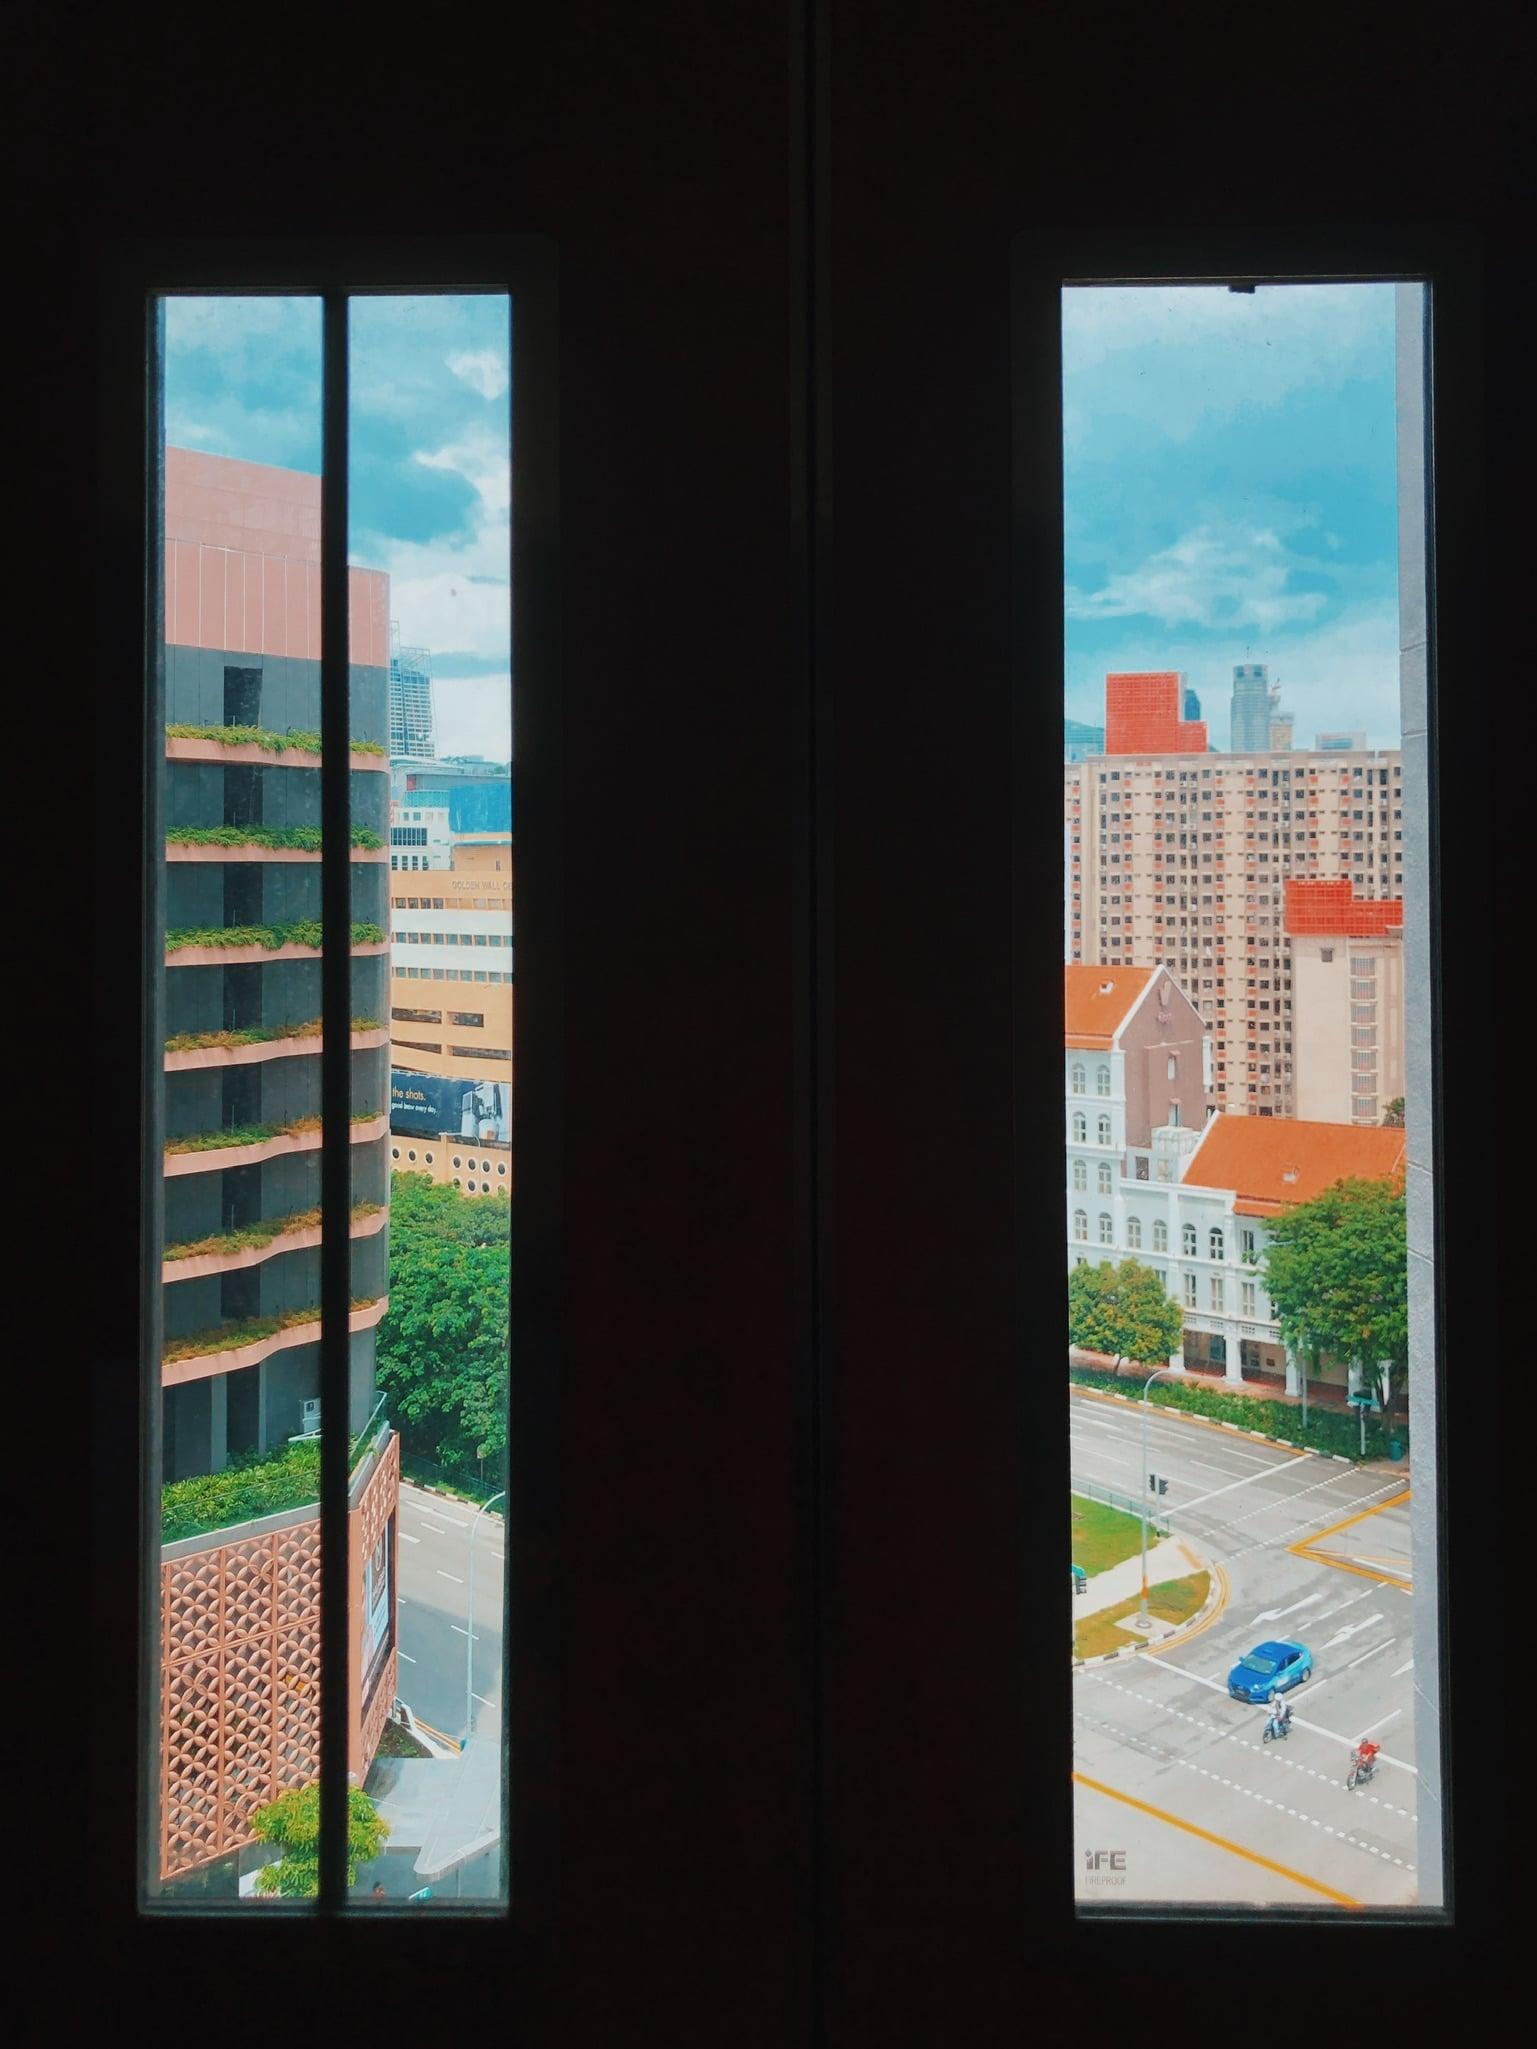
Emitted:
pixel 294 740
pixel 305 839
pixel 261 1233
pixel 298 932
pixel 258 1035
pixel 1326 1430
pixel 226 1337
pixel 255 1134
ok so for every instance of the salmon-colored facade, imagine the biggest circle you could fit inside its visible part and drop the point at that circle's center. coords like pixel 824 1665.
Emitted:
pixel 1143 715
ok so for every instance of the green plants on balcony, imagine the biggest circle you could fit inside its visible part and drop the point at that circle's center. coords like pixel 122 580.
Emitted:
pixel 249 1330
pixel 262 1233
pixel 260 736
pixel 252 1485
pixel 254 1134
pixel 257 1035
pixel 304 839
pixel 296 932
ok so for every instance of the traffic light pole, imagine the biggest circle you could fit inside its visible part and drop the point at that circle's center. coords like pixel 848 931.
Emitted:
pixel 1142 1615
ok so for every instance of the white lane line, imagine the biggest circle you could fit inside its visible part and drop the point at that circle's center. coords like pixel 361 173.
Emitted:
pixel 1313 1687
pixel 1381 1723
pixel 1407 1666
pixel 1275 1614
pixel 461 1632
pixel 437 1528
pixel 454 1521
pixel 1364 1595
pixel 458 1582
pixel 482 1699
pixel 1349 1630
pixel 1384 1645
pixel 407 1538
pixel 1269 1472
pixel 406 1658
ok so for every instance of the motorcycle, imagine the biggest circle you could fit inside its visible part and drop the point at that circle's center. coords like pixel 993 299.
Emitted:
pixel 1277 1729
pixel 1359 1772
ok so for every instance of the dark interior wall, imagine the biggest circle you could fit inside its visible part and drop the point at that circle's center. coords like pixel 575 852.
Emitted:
pixel 655 152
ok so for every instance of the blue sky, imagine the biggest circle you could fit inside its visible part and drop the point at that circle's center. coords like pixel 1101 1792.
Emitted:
pixel 1231 496
pixel 431 476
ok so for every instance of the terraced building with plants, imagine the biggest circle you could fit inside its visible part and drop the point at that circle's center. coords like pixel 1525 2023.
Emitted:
pixel 240 1275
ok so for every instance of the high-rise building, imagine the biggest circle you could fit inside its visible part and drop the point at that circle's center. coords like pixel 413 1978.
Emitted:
pixel 420 835
pixel 1192 704
pixel 411 724
pixel 1347 956
pixel 1181 860
pixel 1142 715
pixel 451 994
pixel 239 1635
pixel 1249 730
pixel 1079 741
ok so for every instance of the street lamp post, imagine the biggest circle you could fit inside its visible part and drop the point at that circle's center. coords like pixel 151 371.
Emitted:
pixel 1142 1616
pixel 469 1617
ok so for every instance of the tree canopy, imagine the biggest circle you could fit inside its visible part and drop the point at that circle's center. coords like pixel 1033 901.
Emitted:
pixel 1125 1311
pixel 292 1821
pixel 1337 1274
pixel 442 1350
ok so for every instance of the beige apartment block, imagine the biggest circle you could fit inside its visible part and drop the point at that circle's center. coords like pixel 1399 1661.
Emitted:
pixel 1181 860
pixel 1348 1018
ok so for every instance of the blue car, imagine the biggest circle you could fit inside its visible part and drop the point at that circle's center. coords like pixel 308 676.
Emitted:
pixel 1270 1668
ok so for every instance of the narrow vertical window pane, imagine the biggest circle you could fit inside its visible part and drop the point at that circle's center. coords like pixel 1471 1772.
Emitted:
pixel 430 506
pixel 1246 966
pixel 237 1703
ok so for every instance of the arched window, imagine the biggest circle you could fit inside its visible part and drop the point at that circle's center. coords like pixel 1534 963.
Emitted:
pixel 1078 1077
pixel 1106 1228
pixel 1214 1244
pixel 1102 1081
pixel 1080 1174
pixel 1080 1127
pixel 1134 1233
pixel 1187 1239
pixel 1104 1177
pixel 1160 1235
pixel 1104 1131
pixel 1081 1224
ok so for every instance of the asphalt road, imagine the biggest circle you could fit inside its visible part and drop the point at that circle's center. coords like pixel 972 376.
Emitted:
pixel 1177 1797
pixel 433 1597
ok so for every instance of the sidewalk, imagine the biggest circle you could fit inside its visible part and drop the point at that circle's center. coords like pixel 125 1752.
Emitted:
pixel 1170 1558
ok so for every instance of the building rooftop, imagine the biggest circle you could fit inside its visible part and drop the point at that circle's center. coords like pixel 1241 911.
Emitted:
pixel 1098 1000
pixel 1272 1162
pixel 1329 905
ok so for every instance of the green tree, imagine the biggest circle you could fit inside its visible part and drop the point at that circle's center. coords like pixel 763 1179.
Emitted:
pixel 1394 1113
pixel 442 1349
pixel 292 1821
pixel 1337 1274
pixel 1123 1310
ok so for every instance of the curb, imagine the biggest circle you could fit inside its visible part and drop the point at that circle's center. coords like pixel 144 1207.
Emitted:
pixel 1216 1597
pixel 1105 1394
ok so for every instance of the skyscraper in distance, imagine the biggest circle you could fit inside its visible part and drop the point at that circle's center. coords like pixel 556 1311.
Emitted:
pixel 1249 731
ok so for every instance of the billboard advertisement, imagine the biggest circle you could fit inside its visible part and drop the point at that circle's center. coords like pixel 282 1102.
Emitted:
pixel 438 1105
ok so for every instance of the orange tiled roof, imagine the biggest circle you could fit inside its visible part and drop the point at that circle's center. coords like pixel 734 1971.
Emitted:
pixel 1272 1162
pixel 1097 1001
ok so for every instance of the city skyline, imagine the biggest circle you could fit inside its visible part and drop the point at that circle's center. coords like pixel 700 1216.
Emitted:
pixel 430 461
pixel 1230 496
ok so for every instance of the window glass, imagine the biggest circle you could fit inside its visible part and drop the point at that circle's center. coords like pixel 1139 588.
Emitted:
pixel 1244 548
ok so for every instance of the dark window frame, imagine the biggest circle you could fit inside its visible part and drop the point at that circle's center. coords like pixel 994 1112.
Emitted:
pixel 131 278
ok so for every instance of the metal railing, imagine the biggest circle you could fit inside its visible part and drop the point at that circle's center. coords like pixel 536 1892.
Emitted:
pixel 1128 1504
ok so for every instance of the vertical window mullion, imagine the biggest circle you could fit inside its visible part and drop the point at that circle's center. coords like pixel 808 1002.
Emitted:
pixel 336 1097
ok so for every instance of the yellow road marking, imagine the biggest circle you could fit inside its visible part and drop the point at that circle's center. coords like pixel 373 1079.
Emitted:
pixel 1181 1637
pixel 1307 1547
pixel 1221 1842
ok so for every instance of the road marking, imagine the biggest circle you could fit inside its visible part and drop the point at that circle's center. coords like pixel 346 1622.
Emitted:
pixel 1313 1687
pixel 1364 1595
pixel 1268 1472
pixel 438 1527
pixel 1350 1629
pixel 458 1582
pixel 458 1631
pixel 407 1538
pixel 1384 1645
pixel 454 1521
pixel 1221 1842
pixel 1407 1666
pixel 407 1658
pixel 1275 1614
pixel 482 1699
pixel 1382 1723
pixel 1308 1547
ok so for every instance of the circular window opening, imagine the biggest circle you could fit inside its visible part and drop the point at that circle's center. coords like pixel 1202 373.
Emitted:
pixel 428 1158
pixel 411 1155
pixel 501 1166
pixel 394 1152
pixel 456 1181
pixel 485 1166
pixel 457 1162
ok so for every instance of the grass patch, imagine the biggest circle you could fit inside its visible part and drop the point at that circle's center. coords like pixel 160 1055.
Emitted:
pixel 299 932
pixel 303 839
pixel 1103 1536
pixel 1172 1600
pixel 258 1035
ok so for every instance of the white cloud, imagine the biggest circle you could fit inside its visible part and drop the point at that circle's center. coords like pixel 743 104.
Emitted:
pixel 1338 677
pixel 474 715
pixel 480 457
pixel 484 369
pixel 181 432
pixel 1212 576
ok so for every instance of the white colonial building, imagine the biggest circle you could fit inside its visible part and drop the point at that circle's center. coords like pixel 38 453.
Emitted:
pixel 1188 1195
